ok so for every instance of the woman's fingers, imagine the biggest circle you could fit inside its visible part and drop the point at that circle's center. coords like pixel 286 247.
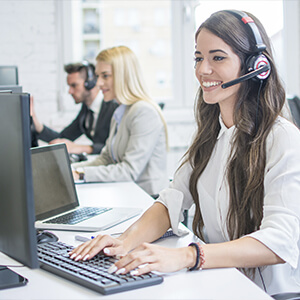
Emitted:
pixel 130 263
pixel 147 258
pixel 136 259
pixel 143 259
pixel 90 248
pixel 143 269
pixel 84 249
pixel 114 251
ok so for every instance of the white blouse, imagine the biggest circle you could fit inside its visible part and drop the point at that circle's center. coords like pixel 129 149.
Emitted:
pixel 279 229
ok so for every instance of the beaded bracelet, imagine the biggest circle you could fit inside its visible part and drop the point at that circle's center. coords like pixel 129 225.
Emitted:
pixel 199 256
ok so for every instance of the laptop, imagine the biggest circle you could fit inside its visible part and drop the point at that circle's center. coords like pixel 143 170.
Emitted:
pixel 55 195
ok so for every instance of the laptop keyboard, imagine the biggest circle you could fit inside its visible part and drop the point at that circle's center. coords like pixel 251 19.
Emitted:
pixel 78 215
pixel 93 273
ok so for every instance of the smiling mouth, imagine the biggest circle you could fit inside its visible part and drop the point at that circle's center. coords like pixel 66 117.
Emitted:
pixel 209 84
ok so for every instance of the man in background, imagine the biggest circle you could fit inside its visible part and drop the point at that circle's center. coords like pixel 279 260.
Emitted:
pixel 93 120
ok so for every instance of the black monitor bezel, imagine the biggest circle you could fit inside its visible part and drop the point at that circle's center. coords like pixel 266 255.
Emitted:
pixel 17 228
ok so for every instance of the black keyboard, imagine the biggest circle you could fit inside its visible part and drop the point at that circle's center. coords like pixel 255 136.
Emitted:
pixel 78 215
pixel 92 274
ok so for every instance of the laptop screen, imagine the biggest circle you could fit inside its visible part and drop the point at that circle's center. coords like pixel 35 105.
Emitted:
pixel 53 185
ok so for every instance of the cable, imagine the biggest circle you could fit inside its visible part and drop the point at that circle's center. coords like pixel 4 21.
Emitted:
pixel 257 105
pixel 262 280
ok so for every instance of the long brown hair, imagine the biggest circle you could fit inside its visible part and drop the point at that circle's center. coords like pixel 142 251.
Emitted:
pixel 253 120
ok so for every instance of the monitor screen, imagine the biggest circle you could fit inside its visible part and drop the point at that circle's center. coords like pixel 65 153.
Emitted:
pixel 17 231
pixel 9 75
pixel 52 162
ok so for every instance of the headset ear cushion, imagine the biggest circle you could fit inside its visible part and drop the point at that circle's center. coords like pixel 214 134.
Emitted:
pixel 257 61
pixel 91 79
pixel 90 84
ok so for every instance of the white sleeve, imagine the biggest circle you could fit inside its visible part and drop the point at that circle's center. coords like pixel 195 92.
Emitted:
pixel 279 229
pixel 177 197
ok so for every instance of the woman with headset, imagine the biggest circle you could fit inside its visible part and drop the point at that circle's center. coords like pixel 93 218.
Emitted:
pixel 242 170
pixel 136 149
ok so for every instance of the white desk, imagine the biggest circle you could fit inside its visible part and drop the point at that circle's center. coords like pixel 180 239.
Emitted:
pixel 206 284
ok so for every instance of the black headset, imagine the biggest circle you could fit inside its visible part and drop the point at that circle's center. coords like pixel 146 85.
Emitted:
pixel 257 60
pixel 91 78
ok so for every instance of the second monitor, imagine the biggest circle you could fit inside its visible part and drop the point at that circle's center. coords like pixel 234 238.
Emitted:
pixel 9 75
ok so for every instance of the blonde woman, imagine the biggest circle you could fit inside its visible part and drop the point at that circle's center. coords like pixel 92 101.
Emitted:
pixel 136 148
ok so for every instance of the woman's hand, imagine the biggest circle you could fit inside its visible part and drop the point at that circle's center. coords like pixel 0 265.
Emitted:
pixel 37 124
pixel 148 257
pixel 75 175
pixel 110 246
pixel 71 146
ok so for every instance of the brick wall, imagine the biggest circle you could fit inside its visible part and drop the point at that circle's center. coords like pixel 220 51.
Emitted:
pixel 30 39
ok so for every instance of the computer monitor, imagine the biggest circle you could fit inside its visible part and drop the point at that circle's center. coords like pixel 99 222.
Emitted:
pixel 10 89
pixel 17 231
pixel 9 75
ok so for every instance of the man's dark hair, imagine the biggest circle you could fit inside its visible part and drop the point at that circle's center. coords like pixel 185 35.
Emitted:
pixel 79 67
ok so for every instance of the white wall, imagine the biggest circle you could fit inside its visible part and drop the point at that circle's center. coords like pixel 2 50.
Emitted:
pixel 292 45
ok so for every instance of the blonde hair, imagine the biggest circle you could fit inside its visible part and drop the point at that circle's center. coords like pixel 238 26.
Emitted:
pixel 129 85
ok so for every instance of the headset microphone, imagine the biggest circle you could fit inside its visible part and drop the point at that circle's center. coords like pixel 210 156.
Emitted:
pixel 252 74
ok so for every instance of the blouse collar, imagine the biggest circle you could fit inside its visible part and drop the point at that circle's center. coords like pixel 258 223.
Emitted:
pixel 224 129
pixel 119 112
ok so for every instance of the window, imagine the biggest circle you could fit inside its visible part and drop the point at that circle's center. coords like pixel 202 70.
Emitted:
pixel 161 33
pixel 143 26
pixel 91 30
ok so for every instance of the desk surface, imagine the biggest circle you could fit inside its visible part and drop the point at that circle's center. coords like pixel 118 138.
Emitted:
pixel 206 284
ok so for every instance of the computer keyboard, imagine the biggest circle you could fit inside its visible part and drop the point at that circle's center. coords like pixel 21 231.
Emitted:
pixel 92 274
pixel 78 215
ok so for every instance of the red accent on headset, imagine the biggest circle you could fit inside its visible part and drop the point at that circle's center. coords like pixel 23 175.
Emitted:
pixel 247 20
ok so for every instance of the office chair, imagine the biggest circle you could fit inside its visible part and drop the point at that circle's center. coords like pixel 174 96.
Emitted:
pixel 286 296
pixel 294 105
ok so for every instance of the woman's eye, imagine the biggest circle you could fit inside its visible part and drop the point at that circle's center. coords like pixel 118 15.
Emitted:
pixel 105 76
pixel 197 59
pixel 219 58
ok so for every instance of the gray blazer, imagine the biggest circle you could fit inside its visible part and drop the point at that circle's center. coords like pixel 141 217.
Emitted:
pixel 139 148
